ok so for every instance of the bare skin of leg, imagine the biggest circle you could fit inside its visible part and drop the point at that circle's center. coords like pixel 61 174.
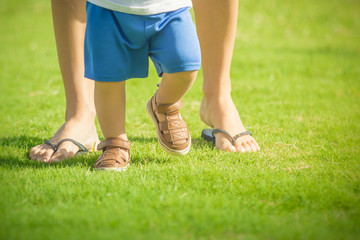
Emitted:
pixel 69 18
pixel 174 86
pixel 110 101
pixel 216 22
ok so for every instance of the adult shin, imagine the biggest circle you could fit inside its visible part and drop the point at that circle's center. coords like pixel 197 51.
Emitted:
pixel 216 22
pixel 69 19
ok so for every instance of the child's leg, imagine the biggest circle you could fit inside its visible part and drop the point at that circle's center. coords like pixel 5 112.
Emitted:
pixel 163 108
pixel 175 52
pixel 174 86
pixel 110 102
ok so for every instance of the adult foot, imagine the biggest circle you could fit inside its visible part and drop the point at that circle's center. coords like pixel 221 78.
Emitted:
pixel 81 130
pixel 222 113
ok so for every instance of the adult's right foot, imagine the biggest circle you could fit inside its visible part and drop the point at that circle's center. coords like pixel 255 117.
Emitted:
pixel 80 130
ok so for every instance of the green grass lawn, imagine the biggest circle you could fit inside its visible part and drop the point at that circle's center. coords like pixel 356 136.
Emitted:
pixel 296 83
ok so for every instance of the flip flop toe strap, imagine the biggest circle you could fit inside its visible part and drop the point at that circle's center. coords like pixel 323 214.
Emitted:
pixel 233 139
pixel 81 147
pixel 52 145
pixel 55 147
pixel 225 132
pixel 242 134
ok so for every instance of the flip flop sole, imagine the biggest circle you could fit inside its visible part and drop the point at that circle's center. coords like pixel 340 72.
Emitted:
pixel 115 169
pixel 207 135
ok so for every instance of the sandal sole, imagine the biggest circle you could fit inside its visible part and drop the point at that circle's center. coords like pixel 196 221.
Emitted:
pixel 116 169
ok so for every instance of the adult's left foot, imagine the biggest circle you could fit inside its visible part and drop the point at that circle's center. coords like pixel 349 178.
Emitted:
pixel 222 113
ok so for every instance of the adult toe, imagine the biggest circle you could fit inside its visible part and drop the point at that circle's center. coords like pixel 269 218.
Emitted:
pixel 255 147
pixel 65 150
pixel 33 152
pixel 247 147
pixel 240 147
pixel 41 153
pixel 242 144
pixel 252 147
pixel 223 143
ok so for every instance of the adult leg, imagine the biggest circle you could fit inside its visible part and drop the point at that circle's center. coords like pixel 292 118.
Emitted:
pixel 216 22
pixel 69 18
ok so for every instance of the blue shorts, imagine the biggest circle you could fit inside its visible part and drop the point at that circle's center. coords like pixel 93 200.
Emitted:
pixel 118 45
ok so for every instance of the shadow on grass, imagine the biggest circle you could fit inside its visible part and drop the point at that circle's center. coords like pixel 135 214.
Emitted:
pixel 14 153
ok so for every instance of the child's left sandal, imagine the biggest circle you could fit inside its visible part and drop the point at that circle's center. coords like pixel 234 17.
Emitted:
pixel 113 158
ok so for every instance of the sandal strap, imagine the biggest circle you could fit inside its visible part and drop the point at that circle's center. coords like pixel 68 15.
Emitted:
pixel 111 156
pixel 169 108
pixel 233 139
pixel 82 147
pixel 52 145
pixel 242 134
pixel 114 143
pixel 172 125
pixel 56 146
pixel 225 132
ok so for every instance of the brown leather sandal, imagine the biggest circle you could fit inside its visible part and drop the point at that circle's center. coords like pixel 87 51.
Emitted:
pixel 112 158
pixel 173 133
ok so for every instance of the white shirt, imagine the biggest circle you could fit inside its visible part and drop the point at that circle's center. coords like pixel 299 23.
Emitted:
pixel 142 7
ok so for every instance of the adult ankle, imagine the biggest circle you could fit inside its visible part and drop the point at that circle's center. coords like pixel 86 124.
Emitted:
pixel 216 94
pixel 217 99
pixel 80 115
